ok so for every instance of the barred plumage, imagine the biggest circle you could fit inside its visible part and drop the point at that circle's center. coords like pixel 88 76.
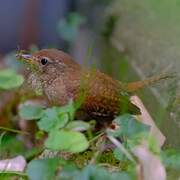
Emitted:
pixel 63 79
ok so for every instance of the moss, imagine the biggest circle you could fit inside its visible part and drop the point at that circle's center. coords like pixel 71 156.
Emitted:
pixel 82 158
pixel 106 158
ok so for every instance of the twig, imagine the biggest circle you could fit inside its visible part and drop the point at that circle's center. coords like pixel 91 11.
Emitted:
pixel 100 144
pixel 13 172
pixel 121 147
pixel 13 130
pixel 96 137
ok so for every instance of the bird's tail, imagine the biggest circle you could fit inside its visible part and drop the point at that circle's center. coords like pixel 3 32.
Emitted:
pixel 134 86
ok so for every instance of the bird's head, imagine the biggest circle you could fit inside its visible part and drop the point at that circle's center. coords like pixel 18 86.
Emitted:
pixel 46 66
pixel 48 60
pixel 49 63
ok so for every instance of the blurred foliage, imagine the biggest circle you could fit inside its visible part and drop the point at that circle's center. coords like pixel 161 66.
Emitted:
pixel 42 169
pixel 119 155
pixel 105 2
pixel 66 140
pixel 171 158
pixel 11 62
pixel 109 26
pixel 91 172
pixel 29 112
pixel 10 146
pixel 10 79
pixel 129 127
pixel 39 169
pixel 57 122
pixel 64 134
pixel 146 33
pixel 68 27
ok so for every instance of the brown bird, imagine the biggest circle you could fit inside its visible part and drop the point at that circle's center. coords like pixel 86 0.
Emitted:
pixel 62 79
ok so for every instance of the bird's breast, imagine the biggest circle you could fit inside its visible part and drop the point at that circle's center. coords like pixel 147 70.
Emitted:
pixel 56 92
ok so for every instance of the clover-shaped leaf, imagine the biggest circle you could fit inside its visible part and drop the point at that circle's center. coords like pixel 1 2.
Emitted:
pixel 30 112
pixel 129 126
pixel 71 141
pixel 52 119
pixel 42 169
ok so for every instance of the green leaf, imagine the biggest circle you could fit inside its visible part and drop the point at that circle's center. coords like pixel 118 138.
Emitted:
pixel 42 169
pixel 53 119
pixel 8 175
pixel 11 146
pixel 66 140
pixel 31 112
pixel 153 144
pixel 130 143
pixel 68 28
pixel 69 108
pixel 171 158
pixel 78 126
pixel 10 79
pixel 34 152
pixel 92 172
pixel 129 126
pixel 39 135
pixel 118 154
pixel 69 172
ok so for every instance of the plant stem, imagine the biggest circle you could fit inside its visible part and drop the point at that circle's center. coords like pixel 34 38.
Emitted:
pixel 121 147
pixel 13 130
pixel 96 137
pixel 100 149
pixel 14 172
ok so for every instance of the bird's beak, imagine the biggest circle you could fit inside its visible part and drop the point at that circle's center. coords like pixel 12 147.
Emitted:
pixel 28 58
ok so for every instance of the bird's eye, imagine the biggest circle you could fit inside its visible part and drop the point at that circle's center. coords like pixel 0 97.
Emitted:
pixel 44 61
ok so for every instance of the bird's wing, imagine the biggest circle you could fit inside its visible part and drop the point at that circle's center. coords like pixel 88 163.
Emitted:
pixel 106 99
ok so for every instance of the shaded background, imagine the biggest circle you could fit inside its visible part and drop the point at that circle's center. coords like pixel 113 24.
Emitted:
pixel 129 40
pixel 27 22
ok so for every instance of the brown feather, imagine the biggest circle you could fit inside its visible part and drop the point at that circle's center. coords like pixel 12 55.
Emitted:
pixel 63 79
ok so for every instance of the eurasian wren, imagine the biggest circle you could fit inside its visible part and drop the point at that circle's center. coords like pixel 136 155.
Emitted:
pixel 62 80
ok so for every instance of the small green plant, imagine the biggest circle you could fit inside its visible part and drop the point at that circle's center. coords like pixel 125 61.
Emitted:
pixel 58 123
pixel 64 134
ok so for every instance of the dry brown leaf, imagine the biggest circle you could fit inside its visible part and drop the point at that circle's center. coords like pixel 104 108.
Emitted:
pixel 146 118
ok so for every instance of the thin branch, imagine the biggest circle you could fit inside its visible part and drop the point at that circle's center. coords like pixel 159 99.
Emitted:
pixel 13 130
pixel 96 137
pixel 100 149
pixel 14 172
pixel 121 147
